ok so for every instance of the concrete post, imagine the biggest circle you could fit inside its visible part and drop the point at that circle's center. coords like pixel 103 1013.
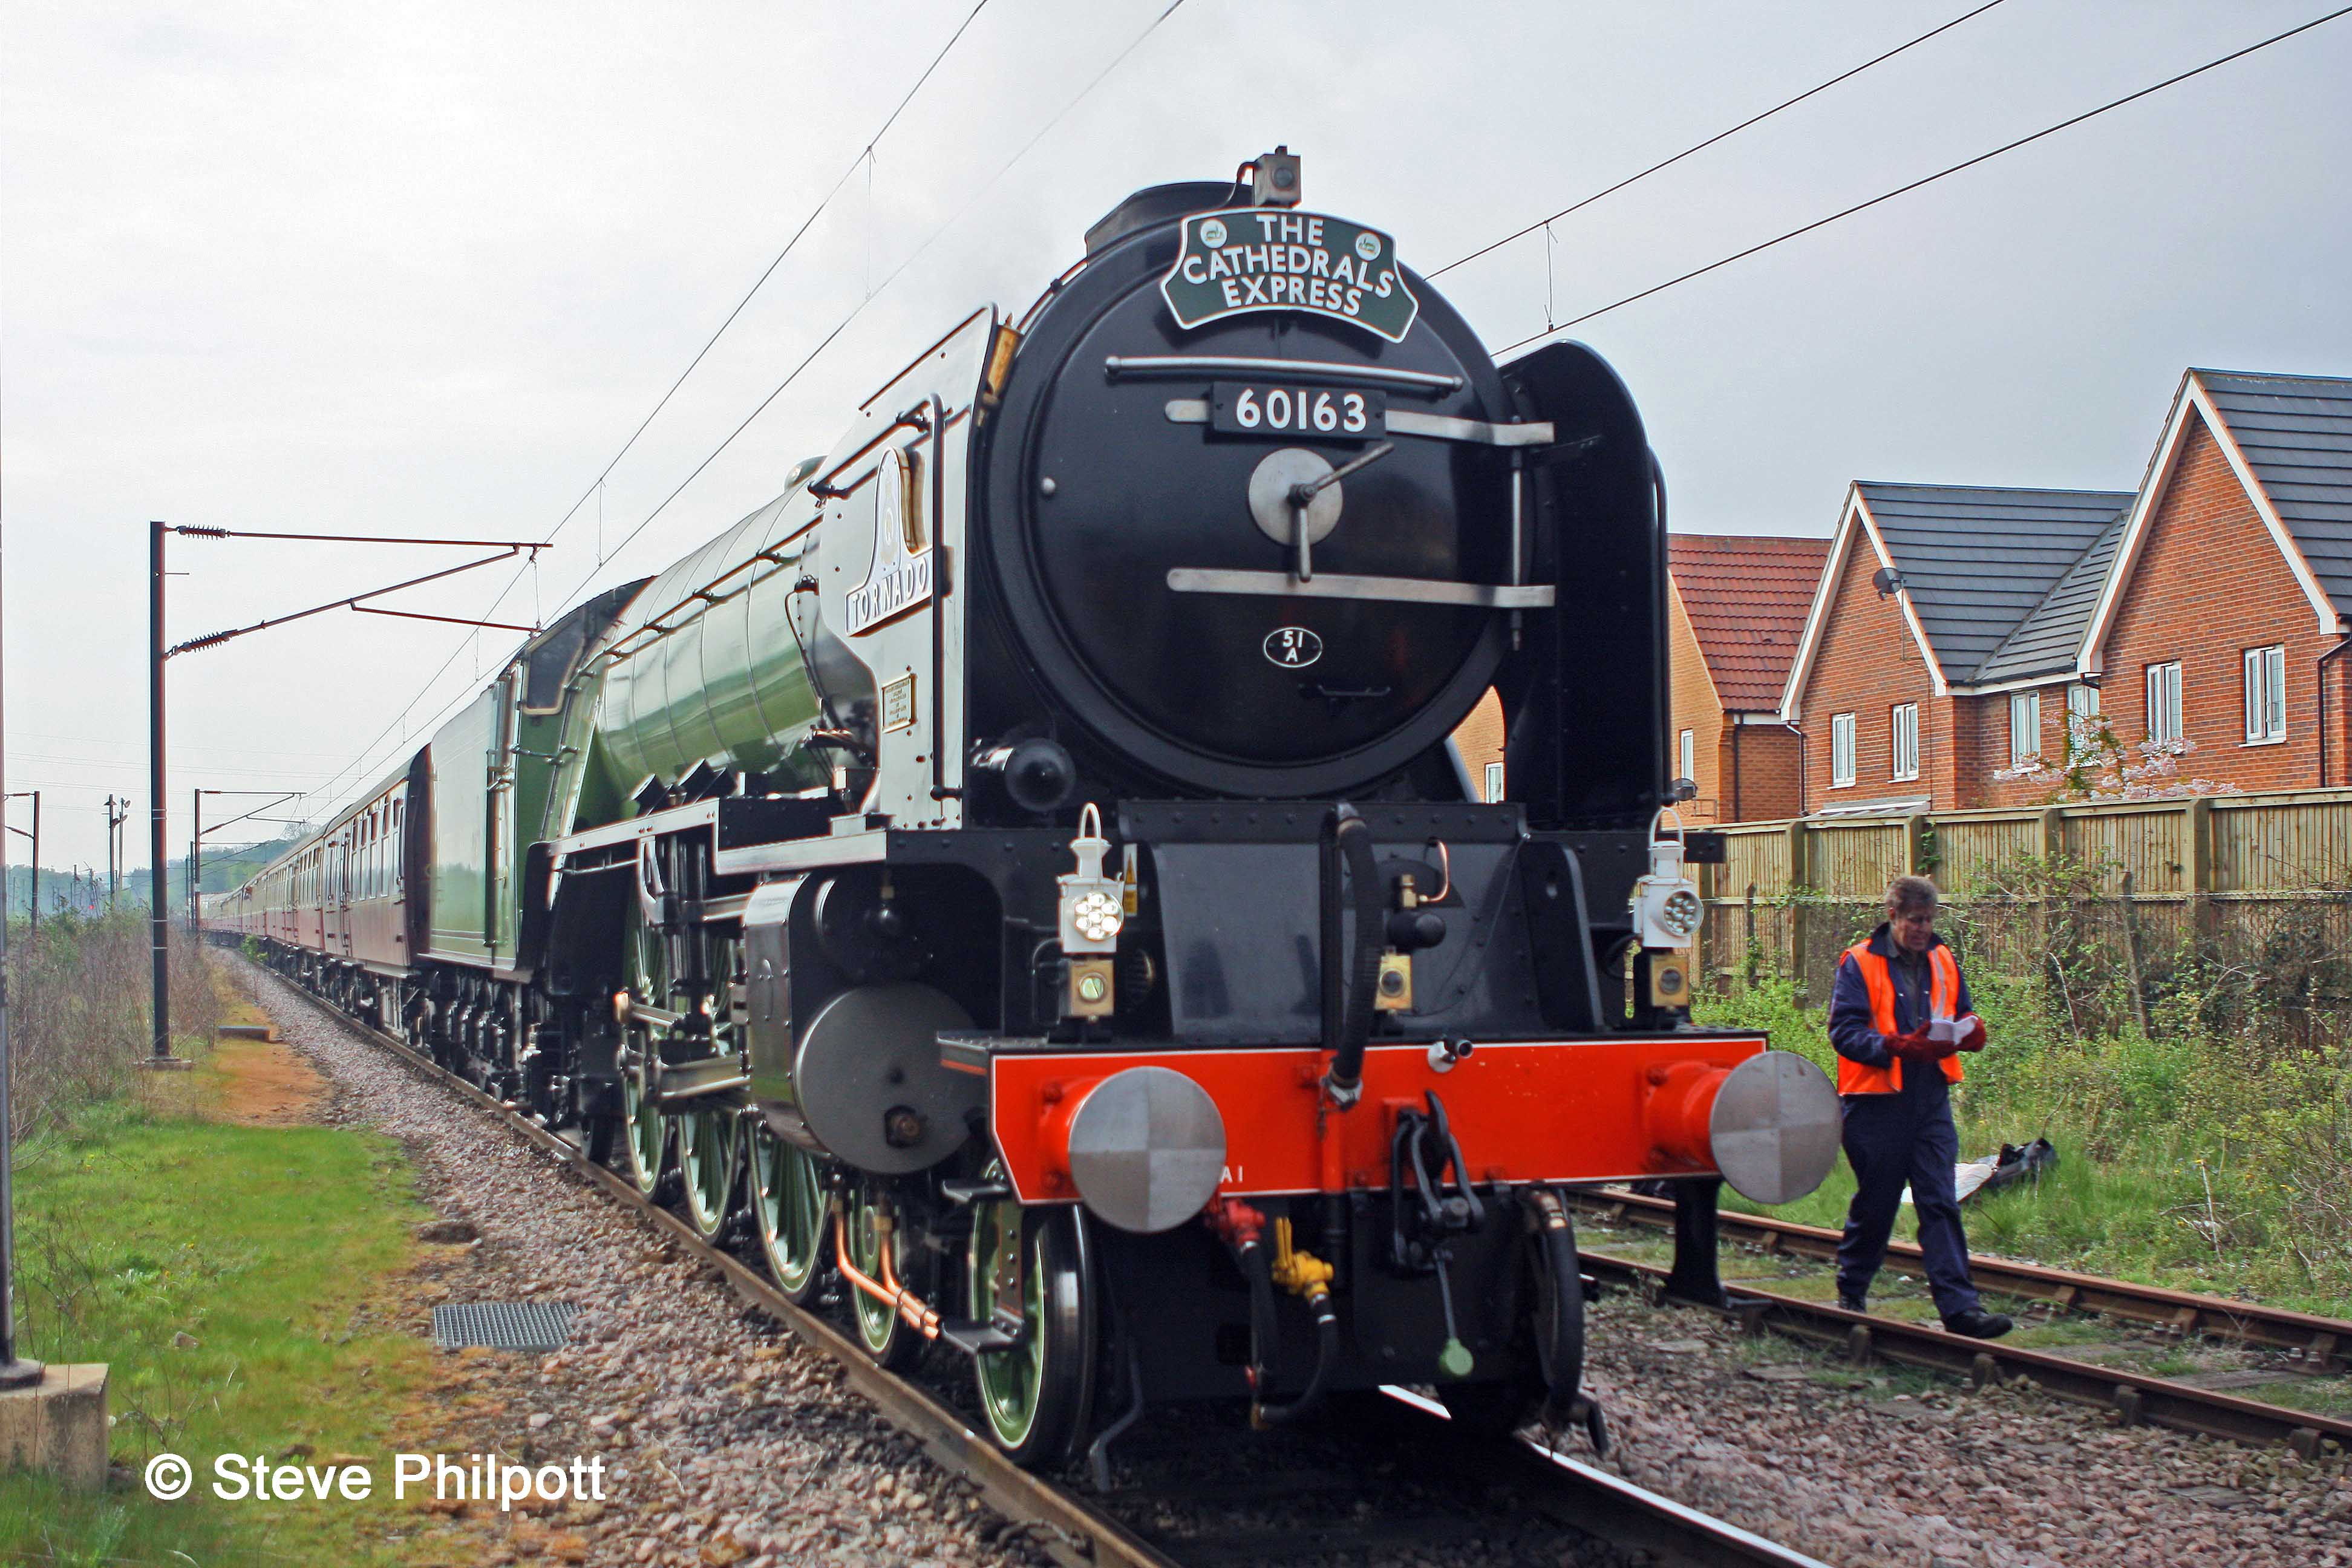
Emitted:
pixel 57 1426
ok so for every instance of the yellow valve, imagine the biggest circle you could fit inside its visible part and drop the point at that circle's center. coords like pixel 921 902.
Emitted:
pixel 1300 1273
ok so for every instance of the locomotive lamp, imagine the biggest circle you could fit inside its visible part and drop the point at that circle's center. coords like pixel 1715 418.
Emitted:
pixel 1093 908
pixel 1667 912
pixel 1667 907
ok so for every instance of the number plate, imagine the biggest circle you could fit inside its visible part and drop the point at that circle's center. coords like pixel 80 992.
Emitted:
pixel 1316 413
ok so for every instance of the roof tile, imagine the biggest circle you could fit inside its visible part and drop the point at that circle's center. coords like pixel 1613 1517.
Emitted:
pixel 1746 597
pixel 1979 562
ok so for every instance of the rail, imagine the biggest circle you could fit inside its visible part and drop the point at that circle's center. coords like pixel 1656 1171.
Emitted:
pixel 2132 1396
pixel 2326 1342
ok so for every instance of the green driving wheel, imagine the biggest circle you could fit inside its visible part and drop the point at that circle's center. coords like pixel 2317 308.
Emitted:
pixel 644 1132
pixel 1028 1276
pixel 886 1336
pixel 706 1159
pixel 788 1202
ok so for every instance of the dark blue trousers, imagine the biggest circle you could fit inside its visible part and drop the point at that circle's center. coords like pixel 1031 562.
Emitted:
pixel 1891 1140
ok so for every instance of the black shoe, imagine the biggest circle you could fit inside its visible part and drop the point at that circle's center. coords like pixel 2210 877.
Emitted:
pixel 1977 1324
pixel 1853 1303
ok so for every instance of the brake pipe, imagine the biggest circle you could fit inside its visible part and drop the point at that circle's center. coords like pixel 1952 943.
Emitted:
pixel 1242 1229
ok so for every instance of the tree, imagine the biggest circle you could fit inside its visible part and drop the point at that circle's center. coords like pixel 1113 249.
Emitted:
pixel 2098 766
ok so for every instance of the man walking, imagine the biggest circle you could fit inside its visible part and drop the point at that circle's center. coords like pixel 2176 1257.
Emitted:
pixel 1898 1017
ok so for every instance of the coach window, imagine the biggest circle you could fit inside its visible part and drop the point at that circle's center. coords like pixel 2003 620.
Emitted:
pixel 1840 750
pixel 399 871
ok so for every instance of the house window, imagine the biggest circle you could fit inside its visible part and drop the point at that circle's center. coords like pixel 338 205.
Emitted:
pixel 2265 695
pixel 1840 750
pixel 2024 726
pixel 1493 782
pixel 1903 721
pixel 1686 756
pixel 2164 701
pixel 2081 718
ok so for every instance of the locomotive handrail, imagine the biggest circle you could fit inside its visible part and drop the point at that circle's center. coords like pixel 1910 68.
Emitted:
pixel 1116 365
pixel 1405 422
pixel 1341 586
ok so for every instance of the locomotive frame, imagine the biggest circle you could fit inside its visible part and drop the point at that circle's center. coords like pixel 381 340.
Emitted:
pixel 874 882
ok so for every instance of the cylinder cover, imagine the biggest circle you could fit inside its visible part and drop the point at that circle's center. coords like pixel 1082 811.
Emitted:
pixel 867 1081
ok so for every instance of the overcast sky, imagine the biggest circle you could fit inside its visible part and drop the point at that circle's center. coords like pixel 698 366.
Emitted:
pixel 420 270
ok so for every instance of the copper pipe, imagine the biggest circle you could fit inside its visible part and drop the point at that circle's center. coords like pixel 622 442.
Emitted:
pixel 886 1289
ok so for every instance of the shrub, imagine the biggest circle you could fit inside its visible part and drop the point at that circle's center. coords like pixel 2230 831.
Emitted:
pixel 77 1011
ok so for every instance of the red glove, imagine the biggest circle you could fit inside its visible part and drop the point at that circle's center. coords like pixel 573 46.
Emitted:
pixel 1916 1046
pixel 1973 1033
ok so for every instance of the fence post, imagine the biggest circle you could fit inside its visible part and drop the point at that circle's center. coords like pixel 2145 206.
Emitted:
pixel 1797 872
pixel 1748 953
pixel 2197 830
pixel 2132 953
pixel 2053 833
pixel 1914 843
pixel 2054 843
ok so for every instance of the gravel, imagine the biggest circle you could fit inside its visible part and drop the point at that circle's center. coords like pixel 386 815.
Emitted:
pixel 725 1441
pixel 1892 1469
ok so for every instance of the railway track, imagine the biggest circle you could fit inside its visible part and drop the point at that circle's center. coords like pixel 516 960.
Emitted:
pixel 2326 1343
pixel 1461 1492
pixel 2131 1396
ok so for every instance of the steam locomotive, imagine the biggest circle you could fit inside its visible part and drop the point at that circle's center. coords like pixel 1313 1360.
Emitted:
pixel 1024 878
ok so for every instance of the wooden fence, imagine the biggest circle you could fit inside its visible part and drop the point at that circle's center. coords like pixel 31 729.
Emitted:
pixel 2229 873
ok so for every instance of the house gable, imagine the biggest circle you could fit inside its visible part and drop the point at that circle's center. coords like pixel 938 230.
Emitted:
pixel 1867 656
pixel 2194 412
pixel 1853 524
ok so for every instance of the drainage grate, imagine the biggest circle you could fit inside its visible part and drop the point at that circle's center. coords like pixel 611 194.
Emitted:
pixel 504 1325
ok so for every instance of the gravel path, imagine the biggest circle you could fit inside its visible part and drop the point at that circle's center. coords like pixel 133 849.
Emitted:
pixel 730 1443
pixel 725 1441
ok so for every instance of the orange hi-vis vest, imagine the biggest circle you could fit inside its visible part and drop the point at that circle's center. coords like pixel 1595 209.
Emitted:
pixel 1944 997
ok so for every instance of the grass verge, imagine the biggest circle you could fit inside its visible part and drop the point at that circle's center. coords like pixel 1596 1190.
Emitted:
pixel 237 1279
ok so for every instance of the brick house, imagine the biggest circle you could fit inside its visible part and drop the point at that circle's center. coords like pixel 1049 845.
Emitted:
pixel 1954 628
pixel 1943 613
pixel 1735 609
pixel 2223 616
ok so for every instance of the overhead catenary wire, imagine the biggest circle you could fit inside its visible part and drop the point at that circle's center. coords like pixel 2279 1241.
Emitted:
pixel 864 156
pixel 597 487
pixel 914 255
pixel 398 719
pixel 1728 132
pixel 1906 188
